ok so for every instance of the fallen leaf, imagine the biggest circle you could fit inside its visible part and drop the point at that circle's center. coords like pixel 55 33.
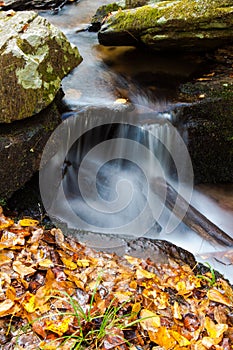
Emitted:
pixel 28 222
pixel 5 307
pixel 163 338
pixel 215 330
pixel 141 273
pixel 217 296
pixel 22 269
pixel 58 327
pixel 182 341
pixel 149 320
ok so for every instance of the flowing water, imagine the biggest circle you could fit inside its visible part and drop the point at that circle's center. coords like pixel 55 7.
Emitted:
pixel 95 95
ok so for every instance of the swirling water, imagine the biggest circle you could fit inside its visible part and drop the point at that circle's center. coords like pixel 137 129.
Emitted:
pixel 98 82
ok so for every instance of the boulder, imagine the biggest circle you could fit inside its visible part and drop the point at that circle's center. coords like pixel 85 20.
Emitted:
pixel 172 25
pixel 34 57
pixel 105 10
pixel 21 147
pixel 206 119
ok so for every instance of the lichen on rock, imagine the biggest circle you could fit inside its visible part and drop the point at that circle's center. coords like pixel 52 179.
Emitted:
pixel 177 24
pixel 34 57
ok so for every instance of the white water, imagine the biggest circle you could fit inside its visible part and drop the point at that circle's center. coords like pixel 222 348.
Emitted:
pixel 98 81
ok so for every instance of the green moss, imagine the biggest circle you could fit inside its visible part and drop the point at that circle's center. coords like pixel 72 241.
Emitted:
pixel 163 12
pixel 34 61
pixel 138 19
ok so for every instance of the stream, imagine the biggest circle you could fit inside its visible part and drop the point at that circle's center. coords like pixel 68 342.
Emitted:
pixel 105 80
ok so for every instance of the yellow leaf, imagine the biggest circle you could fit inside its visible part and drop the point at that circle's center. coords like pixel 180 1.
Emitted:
pixel 29 305
pixel 133 285
pixel 59 327
pixel 5 306
pixel 180 339
pixel 45 346
pixel 132 260
pixel 149 320
pixel 141 273
pixel 11 293
pixel 6 223
pixel 69 263
pixel 28 222
pixel 83 263
pixel 46 263
pixel 177 311
pixel 215 330
pixel 136 308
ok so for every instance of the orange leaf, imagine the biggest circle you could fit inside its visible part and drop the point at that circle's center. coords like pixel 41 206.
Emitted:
pixel 163 338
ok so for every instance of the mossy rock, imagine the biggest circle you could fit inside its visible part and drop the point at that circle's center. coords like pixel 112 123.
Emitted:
pixel 172 25
pixel 207 119
pixel 34 57
pixel 105 10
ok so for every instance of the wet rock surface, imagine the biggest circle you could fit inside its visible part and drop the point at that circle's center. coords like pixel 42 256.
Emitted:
pixel 21 147
pixel 34 57
pixel 171 25
pixel 20 5
pixel 208 119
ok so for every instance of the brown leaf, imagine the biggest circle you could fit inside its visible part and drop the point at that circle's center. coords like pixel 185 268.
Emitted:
pixel 22 269
pixel 217 296
pixel 5 307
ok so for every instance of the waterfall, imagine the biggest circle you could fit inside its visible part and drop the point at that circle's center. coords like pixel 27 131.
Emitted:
pixel 103 162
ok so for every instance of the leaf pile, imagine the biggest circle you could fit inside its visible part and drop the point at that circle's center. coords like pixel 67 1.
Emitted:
pixel 56 293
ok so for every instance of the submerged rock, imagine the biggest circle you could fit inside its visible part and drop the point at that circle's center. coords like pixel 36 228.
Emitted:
pixel 34 57
pixel 172 25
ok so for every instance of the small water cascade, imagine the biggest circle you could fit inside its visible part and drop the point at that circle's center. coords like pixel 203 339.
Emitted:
pixel 104 157
pixel 107 160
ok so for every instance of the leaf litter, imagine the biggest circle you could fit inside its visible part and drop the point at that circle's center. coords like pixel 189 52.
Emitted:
pixel 56 293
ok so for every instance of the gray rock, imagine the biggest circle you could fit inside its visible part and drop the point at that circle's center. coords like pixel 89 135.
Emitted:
pixel 21 147
pixel 34 57
pixel 172 25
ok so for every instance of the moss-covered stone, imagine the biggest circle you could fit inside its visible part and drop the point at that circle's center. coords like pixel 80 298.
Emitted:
pixel 208 119
pixel 177 24
pixel 34 57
